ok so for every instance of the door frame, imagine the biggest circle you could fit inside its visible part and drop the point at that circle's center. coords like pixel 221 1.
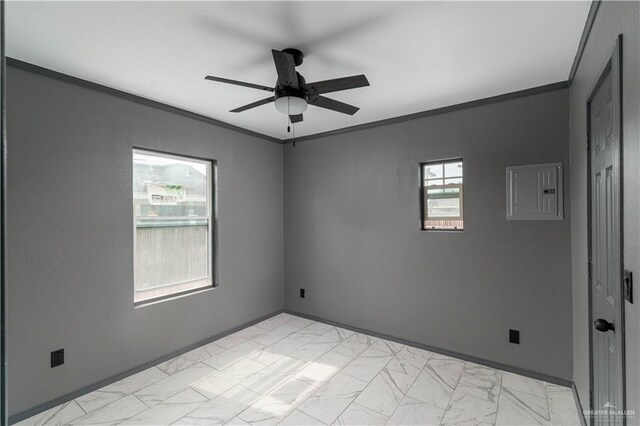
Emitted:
pixel 613 65
pixel 3 189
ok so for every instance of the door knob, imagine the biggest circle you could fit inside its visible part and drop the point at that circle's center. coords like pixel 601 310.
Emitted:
pixel 603 325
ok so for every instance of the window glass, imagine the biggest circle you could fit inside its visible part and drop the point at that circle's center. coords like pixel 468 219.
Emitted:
pixel 433 171
pixel 172 203
pixel 442 195
pixel 453 169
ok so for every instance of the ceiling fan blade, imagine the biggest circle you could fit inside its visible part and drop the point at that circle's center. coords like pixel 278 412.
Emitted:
pixel 337 84
pixel 286 68
pixel 333 105
pixel 295 118
pixel 253 105
pixel 239 83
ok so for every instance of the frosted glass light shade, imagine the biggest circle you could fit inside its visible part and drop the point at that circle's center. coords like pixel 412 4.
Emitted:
pixel 291 105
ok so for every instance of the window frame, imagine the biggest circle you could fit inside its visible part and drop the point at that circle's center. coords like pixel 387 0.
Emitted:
pixel 212 218
pixel 423 195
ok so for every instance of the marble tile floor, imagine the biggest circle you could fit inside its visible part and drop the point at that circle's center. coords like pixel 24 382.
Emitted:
pixel 289 370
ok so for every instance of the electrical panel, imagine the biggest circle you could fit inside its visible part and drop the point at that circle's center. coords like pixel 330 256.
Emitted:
pixel 534 192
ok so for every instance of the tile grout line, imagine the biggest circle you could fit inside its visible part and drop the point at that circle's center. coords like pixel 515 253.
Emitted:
pixel 339 342
pixel 83 410
pixel 368 383
pixel 180 390
pixel 123 396
pixel 296 407
pixel 453 390
pixel 308 363
pixel 172 374
pixel 197 408
pixel 499 397
pixel 141 411
pixel 70 420
pixel 102 406
pixel 199 393
pixel 65 405
pixel 356 397
pixel 546 392
pixel 412 383
pixel 526 406
pixel 190 386
pixel 266 366
pixel 404 396
pixel 292 376
pixel 327 382
pixel 206 397
pixel 319 356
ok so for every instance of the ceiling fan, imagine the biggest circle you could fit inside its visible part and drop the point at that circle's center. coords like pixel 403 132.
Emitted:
pixel 292 93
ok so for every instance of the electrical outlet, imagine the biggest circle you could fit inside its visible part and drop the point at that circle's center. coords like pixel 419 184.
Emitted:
pixel 302 293
pixel 57 358
pixel 514 336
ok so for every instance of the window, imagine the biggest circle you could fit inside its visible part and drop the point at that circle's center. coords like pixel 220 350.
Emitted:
pixel 174 226
pixel 442 195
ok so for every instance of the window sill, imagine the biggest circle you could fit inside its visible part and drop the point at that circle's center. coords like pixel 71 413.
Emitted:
pixel 173 296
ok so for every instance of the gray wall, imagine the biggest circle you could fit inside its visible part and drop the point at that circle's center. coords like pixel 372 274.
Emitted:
pixel 70 236
pixel 613 18
pixel 352 235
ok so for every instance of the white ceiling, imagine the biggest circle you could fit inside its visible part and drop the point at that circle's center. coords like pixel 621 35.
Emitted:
pixel 417 55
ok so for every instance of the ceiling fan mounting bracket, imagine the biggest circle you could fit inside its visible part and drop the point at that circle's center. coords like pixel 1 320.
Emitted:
pixel 298 56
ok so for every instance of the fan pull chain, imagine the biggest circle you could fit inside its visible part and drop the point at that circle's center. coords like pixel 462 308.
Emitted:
pixel 288 116
pixel 294 125
pixel 289 123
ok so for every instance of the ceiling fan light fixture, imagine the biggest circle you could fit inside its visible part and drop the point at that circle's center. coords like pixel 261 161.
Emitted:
pixel 291 105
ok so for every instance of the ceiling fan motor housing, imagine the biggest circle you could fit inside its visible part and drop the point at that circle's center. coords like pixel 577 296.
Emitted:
pixel 290 91
pixel 300 92
pixel 289 100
